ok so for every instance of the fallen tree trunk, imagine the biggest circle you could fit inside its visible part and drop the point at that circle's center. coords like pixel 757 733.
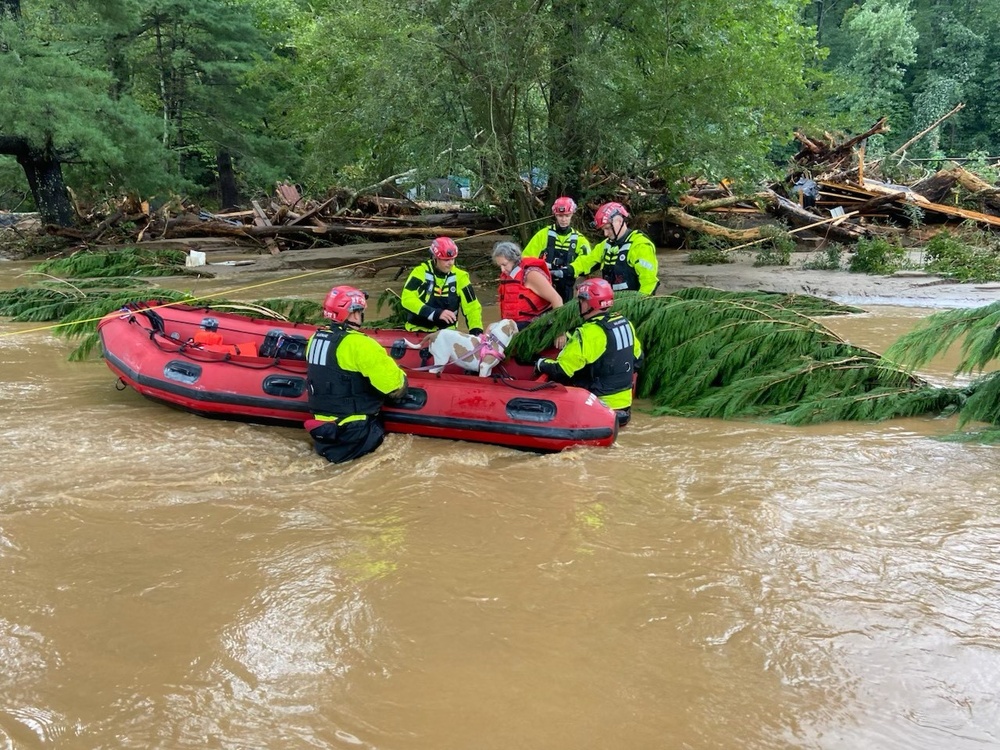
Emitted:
pixel 981 190
pixel 683 219
pixel 697 207
pixel 937 187
pixel 182 228
pixel 797 216
pixel 870 205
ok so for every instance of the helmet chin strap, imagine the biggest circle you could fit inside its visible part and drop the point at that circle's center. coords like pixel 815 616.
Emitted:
pixel 616 233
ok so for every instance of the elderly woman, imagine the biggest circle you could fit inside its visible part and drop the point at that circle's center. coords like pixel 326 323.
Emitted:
pixel 526 289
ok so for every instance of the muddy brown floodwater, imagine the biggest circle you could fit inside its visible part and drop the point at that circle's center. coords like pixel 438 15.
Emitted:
pixel 171 581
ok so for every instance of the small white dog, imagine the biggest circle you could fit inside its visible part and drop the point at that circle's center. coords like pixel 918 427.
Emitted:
pixel 474 353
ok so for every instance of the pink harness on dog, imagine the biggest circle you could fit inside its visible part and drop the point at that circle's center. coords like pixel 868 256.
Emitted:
pixel 490 344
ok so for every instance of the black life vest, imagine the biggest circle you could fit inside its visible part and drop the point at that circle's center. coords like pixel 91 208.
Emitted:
pixel 561 255
pixel 334 391
pixel 615 268
pixel 615 369
pixel 439 295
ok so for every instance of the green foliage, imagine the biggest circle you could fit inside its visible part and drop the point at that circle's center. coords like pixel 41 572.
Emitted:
pixel 77 313
pixel 198 63
pixel 829 260
pixel 763 356
pixel 499 88
pixel 777 251
pixel 979 163
pixel 977 334
pixel 709 251
pixel 142 97
pixel 914 61
pixel 985 436
pixel 877 256
pixel 968 256
pixel 65 99
pixel 709 256
pixel 914 214
pixel 983 401
pixel 978 329
pixel 127 261
pixel 397 314
pixel 884 43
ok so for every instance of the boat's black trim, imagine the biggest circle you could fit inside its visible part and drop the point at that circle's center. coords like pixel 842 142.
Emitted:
pixel 391 414
pixel 498 428
pixel 194 394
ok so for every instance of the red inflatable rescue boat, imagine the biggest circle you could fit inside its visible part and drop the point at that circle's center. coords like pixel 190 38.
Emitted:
pixel 222 364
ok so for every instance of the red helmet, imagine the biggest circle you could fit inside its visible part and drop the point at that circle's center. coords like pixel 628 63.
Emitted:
pixel 596 293
pixel 444 248
pixel 342 301
pixel 563 205
pixel 607 212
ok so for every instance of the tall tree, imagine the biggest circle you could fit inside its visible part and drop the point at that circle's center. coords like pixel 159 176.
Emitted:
pixel 885 42
pixel 197 60
pixel 32 131
pixel 65 121
pixel 504 87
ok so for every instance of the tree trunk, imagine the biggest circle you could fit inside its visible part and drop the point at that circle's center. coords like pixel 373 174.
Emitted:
pixel 229 193
pixel 936 187
pixel 43 171
pixel 799 217
pixel 565 141
pixel 679 217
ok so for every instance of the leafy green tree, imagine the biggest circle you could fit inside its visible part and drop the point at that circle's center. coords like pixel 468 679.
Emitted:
pixel 884 45
pixel 951 66
pixel 144 97
pixel 28 132
pixel 194 63
pixel 66 123
pixel 501 88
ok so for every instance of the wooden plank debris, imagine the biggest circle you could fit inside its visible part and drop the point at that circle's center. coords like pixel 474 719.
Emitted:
pixel 260 220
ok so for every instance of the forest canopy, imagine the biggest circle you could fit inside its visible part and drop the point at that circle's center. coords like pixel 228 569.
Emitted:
pixel 217 99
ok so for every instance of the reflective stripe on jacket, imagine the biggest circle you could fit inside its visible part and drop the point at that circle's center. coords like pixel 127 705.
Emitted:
pixel 339 391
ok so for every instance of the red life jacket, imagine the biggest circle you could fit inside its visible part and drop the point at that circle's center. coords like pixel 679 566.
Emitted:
pixel 516 301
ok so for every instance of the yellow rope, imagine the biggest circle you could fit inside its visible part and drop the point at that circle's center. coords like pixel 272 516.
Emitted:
pixel 189 300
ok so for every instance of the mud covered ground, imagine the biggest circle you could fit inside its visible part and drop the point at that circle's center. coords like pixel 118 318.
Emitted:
pixel 905 288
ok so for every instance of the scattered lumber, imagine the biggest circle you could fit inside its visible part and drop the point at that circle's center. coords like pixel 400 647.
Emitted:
pixel 829 154
pixel 847 201
pixel 798 216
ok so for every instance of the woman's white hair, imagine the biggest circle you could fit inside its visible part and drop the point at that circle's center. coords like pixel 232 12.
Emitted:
pixel 508 250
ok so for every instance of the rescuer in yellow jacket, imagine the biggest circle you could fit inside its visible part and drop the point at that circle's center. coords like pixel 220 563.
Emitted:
pixel 436 290
pixel 566 250
pixel 602 355
pixel 349 377
pixel 625 258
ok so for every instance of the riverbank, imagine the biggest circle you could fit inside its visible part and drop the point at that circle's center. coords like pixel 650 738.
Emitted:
pixel 233 263
pixel 364 262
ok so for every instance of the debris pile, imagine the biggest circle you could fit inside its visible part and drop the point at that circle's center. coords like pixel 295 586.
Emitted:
pixel 831 193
